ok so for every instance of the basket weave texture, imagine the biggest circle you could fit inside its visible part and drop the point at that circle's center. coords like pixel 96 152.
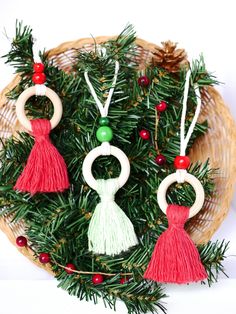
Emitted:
pixel 219 144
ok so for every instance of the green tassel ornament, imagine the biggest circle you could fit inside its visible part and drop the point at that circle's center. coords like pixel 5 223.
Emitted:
pixel 110 230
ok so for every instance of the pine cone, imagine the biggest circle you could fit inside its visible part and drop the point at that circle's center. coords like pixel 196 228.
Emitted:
pixel 169 58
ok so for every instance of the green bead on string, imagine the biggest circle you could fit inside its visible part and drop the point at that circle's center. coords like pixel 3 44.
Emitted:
pixel 104 134
pixel 103 121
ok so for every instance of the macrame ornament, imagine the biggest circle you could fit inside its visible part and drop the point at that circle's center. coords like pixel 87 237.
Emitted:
pixel 45 170
pixel 110 230
pixel 175 258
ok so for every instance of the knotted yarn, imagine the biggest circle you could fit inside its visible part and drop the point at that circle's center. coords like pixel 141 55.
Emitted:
pixel 175 258
pixel 110 230
pixel 45 170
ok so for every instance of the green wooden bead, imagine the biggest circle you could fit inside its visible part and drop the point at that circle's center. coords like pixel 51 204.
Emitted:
pixel 104 134
pixel 104 121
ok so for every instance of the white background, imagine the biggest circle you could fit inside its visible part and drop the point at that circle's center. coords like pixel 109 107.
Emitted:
pixel 198 26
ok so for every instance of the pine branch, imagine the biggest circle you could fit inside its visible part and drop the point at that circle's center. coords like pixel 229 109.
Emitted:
pixel 21 53
pixel 200 74
pixel 58 223
pixel 212 255
pixel 139 297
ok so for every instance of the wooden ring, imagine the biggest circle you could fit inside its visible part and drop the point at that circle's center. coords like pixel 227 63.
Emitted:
pixel 31 91
pixel 98 151
pixel 195 183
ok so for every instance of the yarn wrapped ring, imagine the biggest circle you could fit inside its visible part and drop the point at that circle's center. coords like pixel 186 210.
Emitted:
pixel 192 180
pixel 99 151
pixel 31 91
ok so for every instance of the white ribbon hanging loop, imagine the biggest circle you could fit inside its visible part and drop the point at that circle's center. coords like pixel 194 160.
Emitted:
pixel 103 108
pixel 181 175
pixel 184 140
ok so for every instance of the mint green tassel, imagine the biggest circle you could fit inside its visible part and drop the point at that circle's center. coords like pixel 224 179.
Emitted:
pixel 110 230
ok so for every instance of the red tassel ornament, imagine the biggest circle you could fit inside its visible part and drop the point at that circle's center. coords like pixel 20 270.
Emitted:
pixel 175 258
pixel 45 170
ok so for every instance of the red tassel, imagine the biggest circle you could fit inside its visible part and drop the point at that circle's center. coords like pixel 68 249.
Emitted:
pixel 175 258
pixel 45 170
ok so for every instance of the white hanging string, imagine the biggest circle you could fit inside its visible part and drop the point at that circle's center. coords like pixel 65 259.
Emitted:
pixel 36 52
pixel 184 140
pixel 103 108
pixel 40 88
pixel 106 149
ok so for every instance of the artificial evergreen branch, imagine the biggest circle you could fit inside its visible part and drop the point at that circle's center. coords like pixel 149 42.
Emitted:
pixel 58 222
pixel 212 255
pixel 21 54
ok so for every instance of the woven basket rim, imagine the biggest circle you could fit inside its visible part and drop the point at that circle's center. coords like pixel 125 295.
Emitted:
pixel 72 44
pixel 78 43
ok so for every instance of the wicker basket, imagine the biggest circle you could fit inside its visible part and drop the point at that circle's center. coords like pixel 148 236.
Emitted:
pixel 219 144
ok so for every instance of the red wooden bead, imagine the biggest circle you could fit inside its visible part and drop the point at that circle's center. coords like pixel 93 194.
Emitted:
pixel 21 241
pixel 44 258
pixel 70 268
pixel 181 162
pixel 144 134
pixel 123 280
pixel 38 67
pixel 161 106
pixel 160 160
pixel 39 78
pixel 97 279
pixel 143 81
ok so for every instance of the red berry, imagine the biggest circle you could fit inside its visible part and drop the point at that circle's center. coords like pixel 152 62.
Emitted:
pixel 39 78
pixel 144 134
pixel 38 67
pixel 181 162
pixel 160 160
pixel 123 280
pixel 44 258
pixel 21 241
pixel 69 268
pixel 161 106
pixel 97 279
pixel 143 81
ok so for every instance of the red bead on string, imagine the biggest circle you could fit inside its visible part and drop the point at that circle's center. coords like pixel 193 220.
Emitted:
pixel 38 67
pixel 39 78
pixel 181 162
